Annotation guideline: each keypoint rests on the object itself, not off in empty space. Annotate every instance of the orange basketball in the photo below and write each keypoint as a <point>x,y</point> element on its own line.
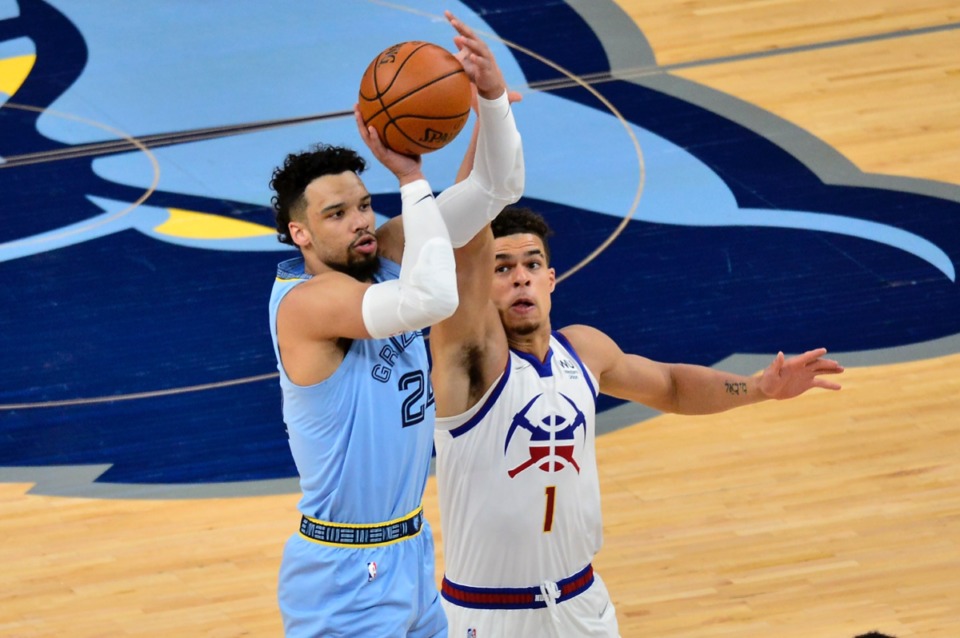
<point>417,96</point>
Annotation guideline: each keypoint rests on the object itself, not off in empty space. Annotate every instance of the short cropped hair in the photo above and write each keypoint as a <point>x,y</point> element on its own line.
<point>516,220</point>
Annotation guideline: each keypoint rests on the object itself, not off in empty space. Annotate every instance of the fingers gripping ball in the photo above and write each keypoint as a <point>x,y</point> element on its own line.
<point>417,96</point>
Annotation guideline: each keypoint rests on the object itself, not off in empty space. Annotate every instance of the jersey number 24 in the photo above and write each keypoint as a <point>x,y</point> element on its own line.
<point>415,385</point>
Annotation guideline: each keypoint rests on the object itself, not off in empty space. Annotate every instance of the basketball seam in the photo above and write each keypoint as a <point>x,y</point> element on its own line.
<point>392,120</point>
<point>399,68</point>
<point>403,134</point>
<point>396,74</point>
<point>385,108</point>
<point>399,130</point>
<point>431,117</point>
<point>378,93</point>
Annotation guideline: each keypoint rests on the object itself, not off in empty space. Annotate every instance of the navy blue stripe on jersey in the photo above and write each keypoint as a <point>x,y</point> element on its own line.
<point>489,403</point>
<point>544,368</point>
<point>586,376</point>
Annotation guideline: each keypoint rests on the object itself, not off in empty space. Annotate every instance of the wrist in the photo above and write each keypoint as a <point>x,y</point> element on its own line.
<point>410,177</point>
<point>414,190</point>
<point>757,390</point>
<point>494,96</point>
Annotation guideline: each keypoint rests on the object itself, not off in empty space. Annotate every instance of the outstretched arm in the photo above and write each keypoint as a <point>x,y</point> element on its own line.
<point>496,178</point>
<point>694,389</point>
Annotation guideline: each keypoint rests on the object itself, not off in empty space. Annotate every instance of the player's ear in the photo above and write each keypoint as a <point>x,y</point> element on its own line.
<point>299,234</point>
<point>552,274</point>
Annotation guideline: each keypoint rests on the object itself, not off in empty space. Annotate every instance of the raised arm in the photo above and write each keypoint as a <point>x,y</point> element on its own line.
<point>497,176</point>
<point>694,389</point>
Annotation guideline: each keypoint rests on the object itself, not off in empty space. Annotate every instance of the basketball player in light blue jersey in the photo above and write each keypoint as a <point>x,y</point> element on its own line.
<point>346,319</point>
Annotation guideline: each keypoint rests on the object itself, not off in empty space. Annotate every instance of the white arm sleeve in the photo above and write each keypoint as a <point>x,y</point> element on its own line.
<point>497,177</point>
<point>427,289</point>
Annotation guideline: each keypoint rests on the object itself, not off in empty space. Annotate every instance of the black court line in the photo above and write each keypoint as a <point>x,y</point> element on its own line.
<point>159,139</point>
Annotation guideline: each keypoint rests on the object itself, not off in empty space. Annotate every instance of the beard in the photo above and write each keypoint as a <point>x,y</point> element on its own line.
<point>523,329</point>
<point>361,268</point>
<point>520,327</point>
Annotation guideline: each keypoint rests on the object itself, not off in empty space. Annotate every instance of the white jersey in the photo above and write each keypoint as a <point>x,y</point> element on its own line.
<point>519,491</point>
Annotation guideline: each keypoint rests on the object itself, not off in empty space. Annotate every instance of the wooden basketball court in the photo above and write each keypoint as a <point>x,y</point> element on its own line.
<point>829,516</point>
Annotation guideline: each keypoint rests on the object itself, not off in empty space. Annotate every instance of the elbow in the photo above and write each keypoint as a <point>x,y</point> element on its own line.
<point>430,295</point>
<point>447,306</point>
<point>425,294</point>
<point>443,302</point>
<point>429,309</point>
<point>444,298</point>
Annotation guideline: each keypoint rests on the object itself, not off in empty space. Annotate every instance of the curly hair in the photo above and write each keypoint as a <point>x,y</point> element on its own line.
<point>515,220</point>
<point>290,180</point>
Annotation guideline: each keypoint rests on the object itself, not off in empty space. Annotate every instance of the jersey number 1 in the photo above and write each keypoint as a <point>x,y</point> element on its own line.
<point>551,494</point>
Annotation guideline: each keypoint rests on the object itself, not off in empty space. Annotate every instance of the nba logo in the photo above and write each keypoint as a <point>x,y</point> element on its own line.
<point>471,633</point>
<point>371,571</point>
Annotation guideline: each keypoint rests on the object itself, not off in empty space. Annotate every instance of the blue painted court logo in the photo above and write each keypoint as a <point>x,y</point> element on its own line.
<point>137,246</point>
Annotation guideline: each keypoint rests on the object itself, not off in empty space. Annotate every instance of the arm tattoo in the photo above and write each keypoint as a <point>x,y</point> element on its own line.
<point>735,388</point>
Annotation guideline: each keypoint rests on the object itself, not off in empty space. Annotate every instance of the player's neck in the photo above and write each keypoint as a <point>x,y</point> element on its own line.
<point>536,343</point>
<point>312,265</point>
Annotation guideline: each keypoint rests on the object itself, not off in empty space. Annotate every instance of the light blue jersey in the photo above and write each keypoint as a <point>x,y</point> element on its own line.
<point>362,441</point>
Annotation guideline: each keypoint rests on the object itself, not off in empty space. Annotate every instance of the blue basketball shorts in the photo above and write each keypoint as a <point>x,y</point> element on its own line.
<point>387,591</point>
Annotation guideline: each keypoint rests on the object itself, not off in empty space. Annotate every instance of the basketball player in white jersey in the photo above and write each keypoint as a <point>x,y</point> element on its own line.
<point>516,470</point>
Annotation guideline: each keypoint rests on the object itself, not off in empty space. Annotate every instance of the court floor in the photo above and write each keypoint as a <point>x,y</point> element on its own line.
<point>725,179</point>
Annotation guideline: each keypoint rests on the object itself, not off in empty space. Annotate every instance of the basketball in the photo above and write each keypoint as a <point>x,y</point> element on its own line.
<point>417,96</point>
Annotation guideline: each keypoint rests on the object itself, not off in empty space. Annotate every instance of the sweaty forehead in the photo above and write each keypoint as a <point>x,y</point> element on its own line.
<point>342,188</point>
<point>518,246</point>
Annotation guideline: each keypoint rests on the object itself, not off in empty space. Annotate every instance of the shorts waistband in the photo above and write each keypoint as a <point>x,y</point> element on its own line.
<point>363,535</point>
<point>515,597</point>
